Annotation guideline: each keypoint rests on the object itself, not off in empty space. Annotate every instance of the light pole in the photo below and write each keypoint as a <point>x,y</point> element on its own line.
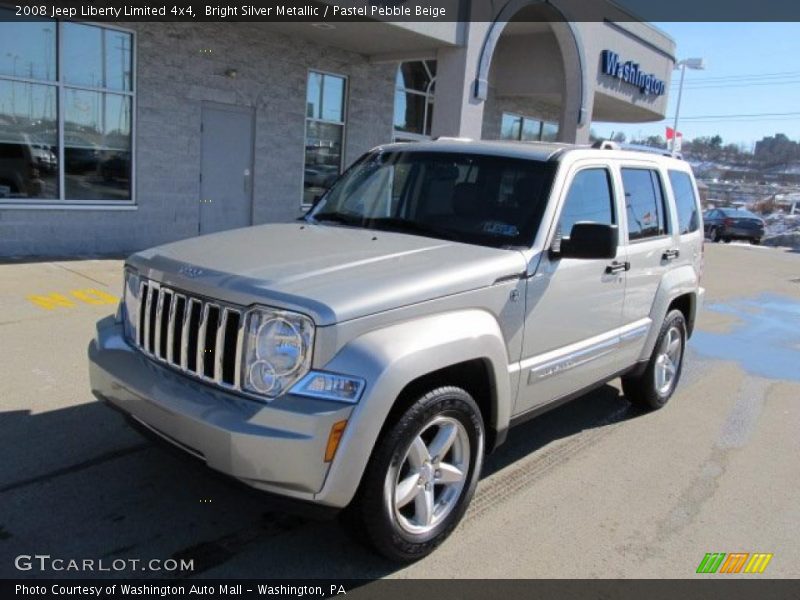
<point>698,64</point>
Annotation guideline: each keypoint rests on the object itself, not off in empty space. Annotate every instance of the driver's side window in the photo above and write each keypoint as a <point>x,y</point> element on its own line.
<point>589,200</point>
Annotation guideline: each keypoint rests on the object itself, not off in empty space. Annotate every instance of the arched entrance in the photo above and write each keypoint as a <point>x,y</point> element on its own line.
<point>531,73</point>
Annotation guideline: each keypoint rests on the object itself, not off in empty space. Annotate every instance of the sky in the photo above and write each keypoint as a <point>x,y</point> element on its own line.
<point>751,69</point>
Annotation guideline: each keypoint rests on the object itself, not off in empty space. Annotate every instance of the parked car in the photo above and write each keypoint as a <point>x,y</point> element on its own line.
<point>367,358</point>
<point>726,224</point>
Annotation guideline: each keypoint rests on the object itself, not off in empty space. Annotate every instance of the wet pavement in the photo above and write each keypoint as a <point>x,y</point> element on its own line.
<point>594,488</point>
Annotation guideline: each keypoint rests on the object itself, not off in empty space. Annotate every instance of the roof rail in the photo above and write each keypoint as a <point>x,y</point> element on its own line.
<point>605,145</point>
<point>651,150</point>
<point>611,145</point>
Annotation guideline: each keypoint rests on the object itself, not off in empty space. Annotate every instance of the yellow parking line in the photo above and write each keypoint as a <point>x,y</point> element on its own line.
<point>90,296</point>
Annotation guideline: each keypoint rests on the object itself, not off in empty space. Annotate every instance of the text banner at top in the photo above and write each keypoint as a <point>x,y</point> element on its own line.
<point>333,11</point>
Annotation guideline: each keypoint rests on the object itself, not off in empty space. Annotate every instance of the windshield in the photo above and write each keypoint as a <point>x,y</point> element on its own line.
<point>477,199</point>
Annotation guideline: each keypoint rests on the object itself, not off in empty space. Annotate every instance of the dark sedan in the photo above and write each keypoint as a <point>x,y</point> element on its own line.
<point>726,224</point>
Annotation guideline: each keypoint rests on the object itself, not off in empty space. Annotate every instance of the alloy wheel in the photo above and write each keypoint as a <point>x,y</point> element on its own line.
<point>426,485</point>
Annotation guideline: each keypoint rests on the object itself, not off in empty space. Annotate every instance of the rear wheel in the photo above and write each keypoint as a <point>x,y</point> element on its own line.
<point>715,236</point>
<point>421,477</point>
<point>756,241</point>
<point>653,388</point>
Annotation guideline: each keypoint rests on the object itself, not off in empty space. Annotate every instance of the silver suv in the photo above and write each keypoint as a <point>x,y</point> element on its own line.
<point>367,357</point>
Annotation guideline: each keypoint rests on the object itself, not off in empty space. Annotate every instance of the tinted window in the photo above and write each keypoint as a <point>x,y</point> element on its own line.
<point>685,201</point>
<point>589,199</point>
<point>488,200</point>
<point>644,202</point>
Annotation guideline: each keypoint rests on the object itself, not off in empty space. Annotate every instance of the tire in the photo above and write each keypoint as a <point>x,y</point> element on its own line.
<point>400,528</point>
<point>654,387</point>
<point>727,240</point>
<point>756,241</point>
<point>715,236</point>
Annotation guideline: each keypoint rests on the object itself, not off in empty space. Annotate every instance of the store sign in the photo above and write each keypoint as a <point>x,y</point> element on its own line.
<point>629,72</point>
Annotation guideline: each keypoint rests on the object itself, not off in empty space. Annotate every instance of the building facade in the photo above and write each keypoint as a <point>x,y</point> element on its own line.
<point>117,138</point>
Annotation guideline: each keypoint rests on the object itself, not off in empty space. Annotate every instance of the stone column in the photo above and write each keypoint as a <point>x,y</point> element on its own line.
<point>457,112</point>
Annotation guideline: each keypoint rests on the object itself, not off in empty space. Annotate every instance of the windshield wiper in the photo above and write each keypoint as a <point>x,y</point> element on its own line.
<point>406,226</point>
<point>337,217</point>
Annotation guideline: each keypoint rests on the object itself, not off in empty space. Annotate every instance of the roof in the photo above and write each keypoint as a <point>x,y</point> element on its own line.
<point>542,151</point>
<point>530,150</point>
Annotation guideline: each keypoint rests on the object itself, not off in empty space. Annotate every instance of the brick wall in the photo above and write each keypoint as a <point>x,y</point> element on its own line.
<point>173,79</point>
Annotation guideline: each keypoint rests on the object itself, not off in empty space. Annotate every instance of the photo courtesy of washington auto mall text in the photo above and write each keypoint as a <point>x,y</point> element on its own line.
<point>400,299</point>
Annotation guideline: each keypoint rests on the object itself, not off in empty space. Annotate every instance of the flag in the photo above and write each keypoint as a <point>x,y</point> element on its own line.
<point>676,137</point>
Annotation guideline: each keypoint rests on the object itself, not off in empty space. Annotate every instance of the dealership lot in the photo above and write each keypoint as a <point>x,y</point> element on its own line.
<point>592,489</point>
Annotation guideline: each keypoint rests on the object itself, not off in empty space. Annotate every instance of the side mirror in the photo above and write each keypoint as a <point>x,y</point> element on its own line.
<point>590,240</point>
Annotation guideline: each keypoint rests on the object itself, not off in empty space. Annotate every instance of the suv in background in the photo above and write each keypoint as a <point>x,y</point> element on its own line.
<point>367,357</point>
<point>726,224</point>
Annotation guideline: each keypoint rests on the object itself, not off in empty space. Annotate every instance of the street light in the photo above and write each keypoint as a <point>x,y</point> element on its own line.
<point>697,64</point>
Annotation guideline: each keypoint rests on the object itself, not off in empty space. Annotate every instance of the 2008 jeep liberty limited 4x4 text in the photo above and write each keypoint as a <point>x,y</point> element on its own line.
<point>367,357</point>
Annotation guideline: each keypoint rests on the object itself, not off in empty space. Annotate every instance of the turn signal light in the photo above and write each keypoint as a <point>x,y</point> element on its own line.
<point>333,440</point>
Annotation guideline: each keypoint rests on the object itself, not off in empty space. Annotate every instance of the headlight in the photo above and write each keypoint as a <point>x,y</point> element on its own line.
<point>277,350</point>
<point>130,303</point>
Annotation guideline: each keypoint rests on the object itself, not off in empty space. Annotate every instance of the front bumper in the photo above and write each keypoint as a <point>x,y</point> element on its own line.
<point>277,447</point>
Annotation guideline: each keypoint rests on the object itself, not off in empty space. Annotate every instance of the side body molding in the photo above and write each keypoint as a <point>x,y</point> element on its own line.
<point>389,359</point>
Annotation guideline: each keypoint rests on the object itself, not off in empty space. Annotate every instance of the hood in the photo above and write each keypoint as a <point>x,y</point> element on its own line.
<point>331,273</point>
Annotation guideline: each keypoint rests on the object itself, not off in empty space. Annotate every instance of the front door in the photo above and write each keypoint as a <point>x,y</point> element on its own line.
<point>573,306</point>
<point>226,170</point>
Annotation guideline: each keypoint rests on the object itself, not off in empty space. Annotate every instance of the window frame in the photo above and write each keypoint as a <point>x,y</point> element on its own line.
<point>665,204</point>
<point>430,100</point>
<point>524,118</point>
<point>695,198</point>
<point>61,203</point>
<point>569,181</point>
<point>345,102</point>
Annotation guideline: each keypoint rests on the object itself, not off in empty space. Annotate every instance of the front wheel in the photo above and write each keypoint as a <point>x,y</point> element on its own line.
<point>421,477</point>
<point>653,388</point>
<point>756,241</point>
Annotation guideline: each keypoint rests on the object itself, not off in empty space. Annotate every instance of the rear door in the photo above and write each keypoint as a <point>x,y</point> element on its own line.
<point>688,219</point>
<point>652,245</point>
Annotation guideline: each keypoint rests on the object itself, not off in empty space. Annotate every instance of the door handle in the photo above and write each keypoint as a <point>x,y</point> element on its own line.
<point>671,254</point>
<point>616,267</point>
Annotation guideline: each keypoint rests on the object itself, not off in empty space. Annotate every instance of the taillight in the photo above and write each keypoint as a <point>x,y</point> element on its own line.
<point>727,222</point>
<point>702,264</point>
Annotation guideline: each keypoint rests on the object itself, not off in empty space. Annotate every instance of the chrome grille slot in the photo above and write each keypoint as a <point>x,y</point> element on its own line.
<point>200,337</point>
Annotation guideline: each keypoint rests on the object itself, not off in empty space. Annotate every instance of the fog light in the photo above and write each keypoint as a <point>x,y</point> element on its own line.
<point>329,386</point>
<point>333,439</point>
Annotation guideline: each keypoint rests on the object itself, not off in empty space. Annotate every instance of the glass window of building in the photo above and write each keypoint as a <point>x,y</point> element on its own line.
<point>66,112</point>
<point>415,86</point>
<point>519,128</point>
<point>325,118</point>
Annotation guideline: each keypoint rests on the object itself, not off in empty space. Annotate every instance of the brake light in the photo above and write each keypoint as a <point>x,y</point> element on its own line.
<point>702,264</point>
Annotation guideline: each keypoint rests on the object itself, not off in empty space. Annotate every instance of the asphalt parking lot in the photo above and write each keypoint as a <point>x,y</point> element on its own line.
<point>592,489</point>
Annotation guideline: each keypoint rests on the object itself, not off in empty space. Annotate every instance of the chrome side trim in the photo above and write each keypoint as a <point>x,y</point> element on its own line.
<point>563,359</point>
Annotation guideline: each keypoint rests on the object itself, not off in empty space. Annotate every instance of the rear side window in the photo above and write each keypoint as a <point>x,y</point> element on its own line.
<point>685,202</point>
<point>589,200</point>
<point>644,203</point>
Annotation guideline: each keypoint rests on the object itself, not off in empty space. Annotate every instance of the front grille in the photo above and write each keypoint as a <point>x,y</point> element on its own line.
<point>200,337</point>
